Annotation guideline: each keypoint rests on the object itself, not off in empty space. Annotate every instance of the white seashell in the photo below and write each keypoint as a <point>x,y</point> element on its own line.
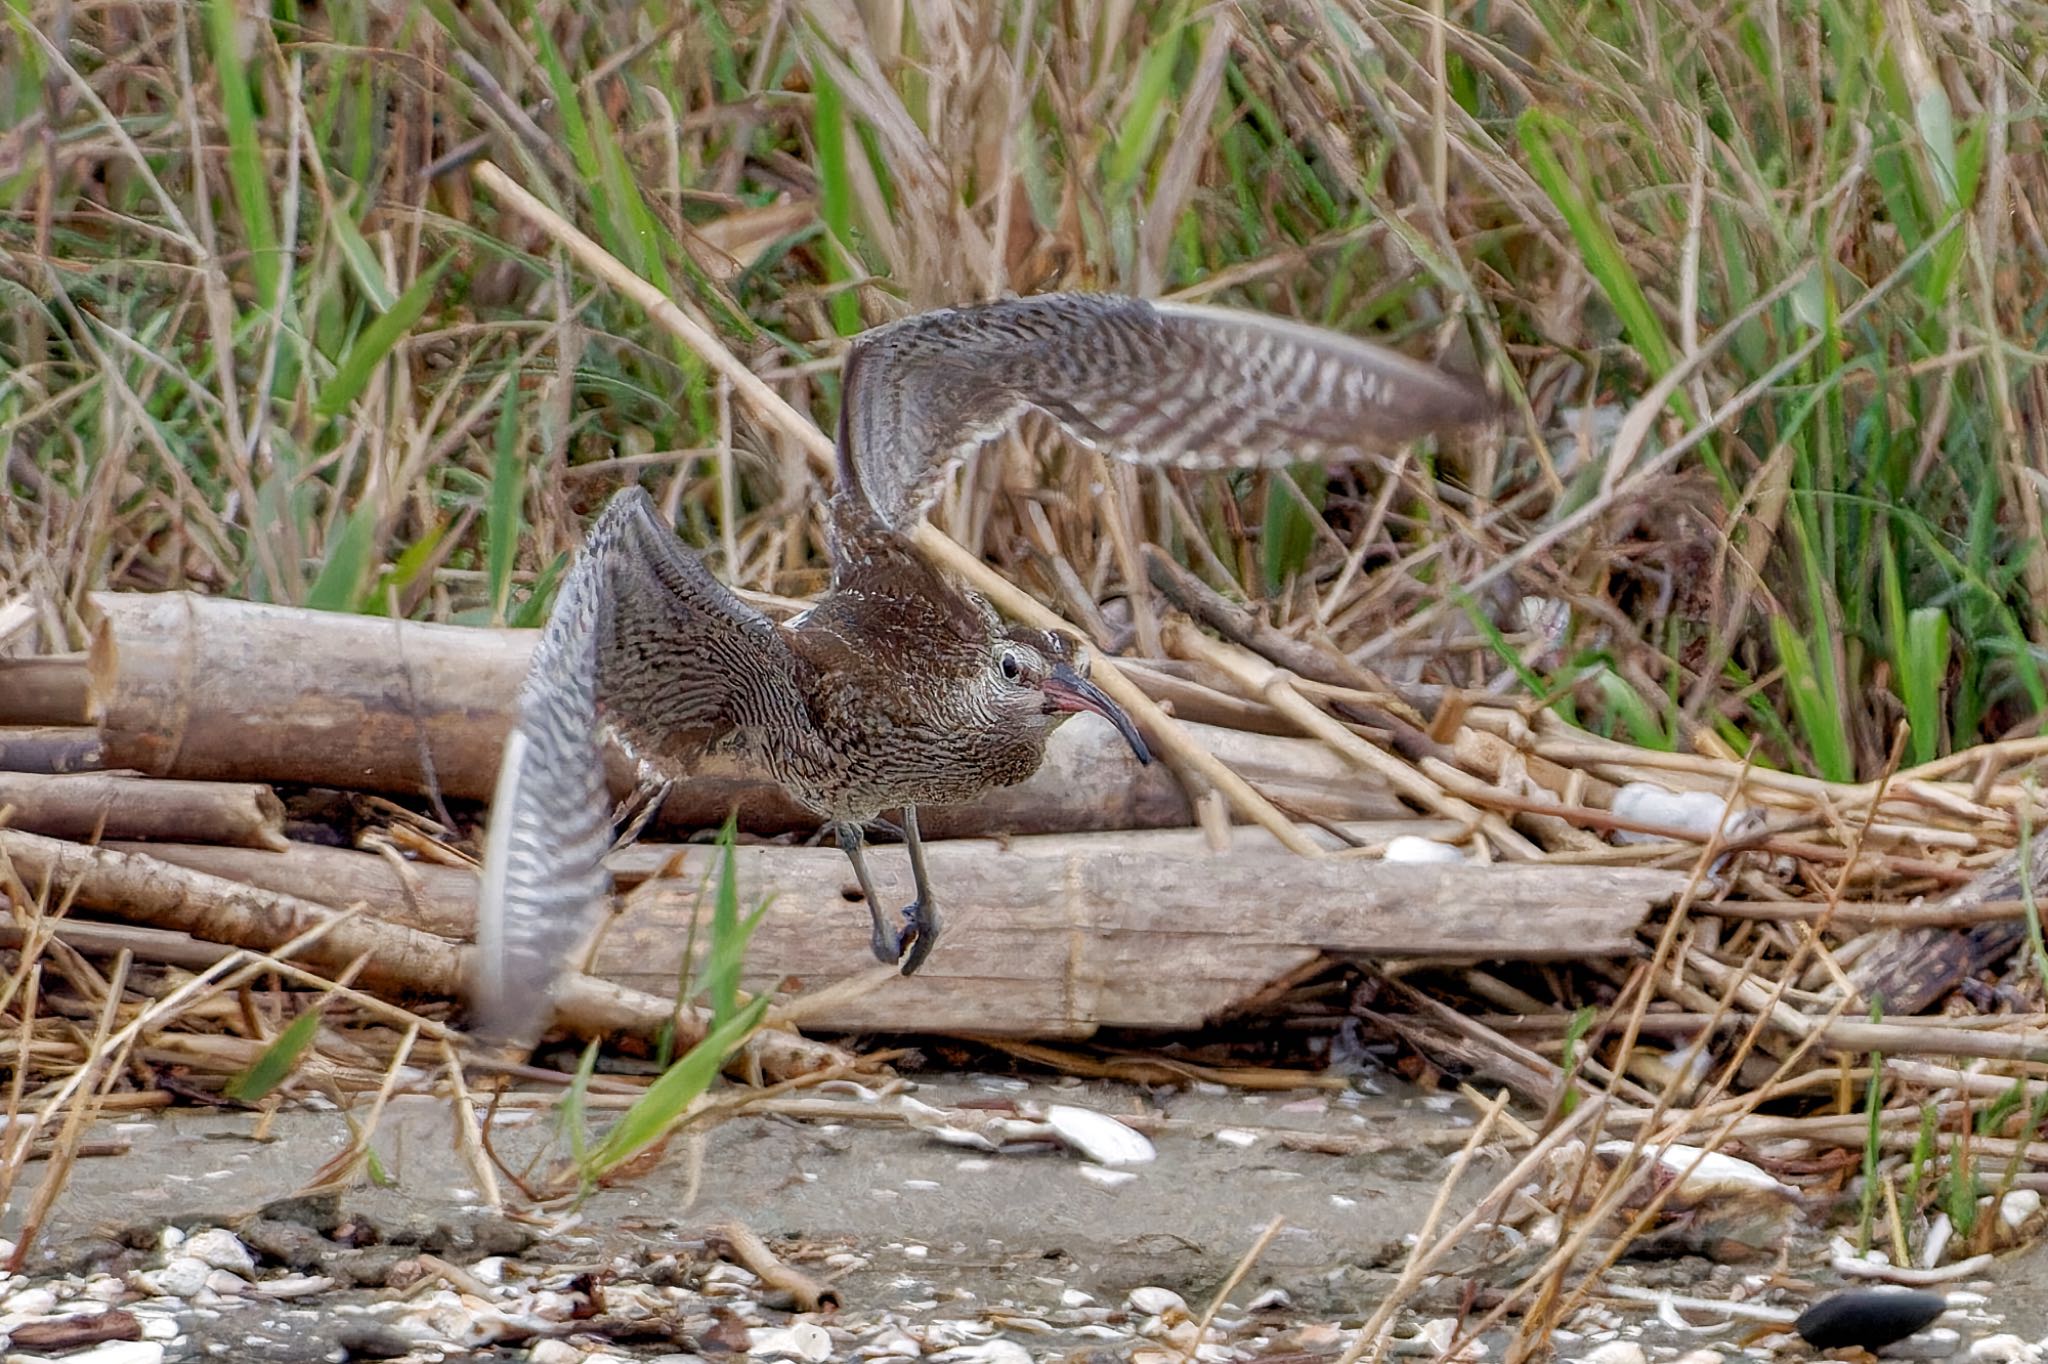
<point>892,1344</point>
<point>1410,848</point>
<point>30,1302</point>
<point>1074,1297</point>
<point>1156,1302</point>
<point>997,1351</point>
<point>120,1352</point>
<point>1106,1177</point>
<point>1694,812</point>
<point>1616,1352</point>
<point>221,1249</point>
<point>1934,1245</point>
<point>805,1340</point>
<point>1238,1137</point>
<point>292,1286</point>
<point>1714,1174</point>
<point>1099,1137</point>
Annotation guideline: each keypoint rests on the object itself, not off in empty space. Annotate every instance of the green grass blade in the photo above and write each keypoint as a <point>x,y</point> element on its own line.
<point>729,932</point>
<point>349,561</point>
<point>277,1062</point>
<point>835,197</point>
<point>668,1099</point>
<point>1923,673</point>
<point>352,375</point>
<point>502,519</point>
<point>1548,140</point>
<point>1289,534</point>
<point>362,263</point>
<point>1814,705</point>
<point>247,175</point>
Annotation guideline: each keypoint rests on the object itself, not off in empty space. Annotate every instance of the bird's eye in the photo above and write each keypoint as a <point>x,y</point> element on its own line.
<point>1012,667</point>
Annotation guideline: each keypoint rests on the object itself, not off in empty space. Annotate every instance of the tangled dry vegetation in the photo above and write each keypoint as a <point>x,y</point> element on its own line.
<point>1764,524</point>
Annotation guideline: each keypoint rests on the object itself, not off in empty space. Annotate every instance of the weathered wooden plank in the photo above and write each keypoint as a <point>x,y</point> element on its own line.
<point>1057,937</point>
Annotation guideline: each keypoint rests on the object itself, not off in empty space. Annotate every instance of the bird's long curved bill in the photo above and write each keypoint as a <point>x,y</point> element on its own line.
<point>1068,690</point>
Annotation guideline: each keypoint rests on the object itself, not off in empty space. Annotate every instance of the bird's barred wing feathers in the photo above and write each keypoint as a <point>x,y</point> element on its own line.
<point>642,638</point>
<point>1153,382</point>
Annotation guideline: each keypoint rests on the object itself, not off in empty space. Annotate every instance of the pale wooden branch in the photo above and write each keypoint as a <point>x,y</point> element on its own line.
<point>91,806</point>
<point>1262,679</point>
<point>440,900</point>
<point>395,958</point>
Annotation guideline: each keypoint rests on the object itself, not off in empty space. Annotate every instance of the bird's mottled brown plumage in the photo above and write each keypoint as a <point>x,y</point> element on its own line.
<point>898,687</point>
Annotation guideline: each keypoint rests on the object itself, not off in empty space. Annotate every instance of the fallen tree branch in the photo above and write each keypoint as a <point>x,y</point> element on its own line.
<point>396,958</point>
<point>91,806</point>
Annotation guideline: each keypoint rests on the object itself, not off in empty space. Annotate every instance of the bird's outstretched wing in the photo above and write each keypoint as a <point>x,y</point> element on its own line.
<point>675,661</point>
<point>1154,382</point>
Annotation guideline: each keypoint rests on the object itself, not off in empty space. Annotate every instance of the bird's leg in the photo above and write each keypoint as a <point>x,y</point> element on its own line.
<point>920,916</point>
<point>887,943</point>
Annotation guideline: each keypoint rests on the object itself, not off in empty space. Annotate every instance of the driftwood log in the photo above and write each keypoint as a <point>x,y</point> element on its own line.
<point>1045,937</point>
<point>50,690</point>
<point>93,806</point>
<point>1912,968</point>
<point>1058,937</point>
<point>396,959</point>
<point>217,690</point>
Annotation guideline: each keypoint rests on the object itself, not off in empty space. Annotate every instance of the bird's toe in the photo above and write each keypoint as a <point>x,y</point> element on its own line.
<point>921,923</point>
<point>886,944</point>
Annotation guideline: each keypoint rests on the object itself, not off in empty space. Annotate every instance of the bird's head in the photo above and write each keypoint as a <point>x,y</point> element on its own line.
<point>1038,679</point>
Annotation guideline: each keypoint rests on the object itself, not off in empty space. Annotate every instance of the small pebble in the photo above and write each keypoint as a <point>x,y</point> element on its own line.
<point>554,1352</point>
<point>181,1277</point>
<point>1870,1318</point>
<point>2005,1347</point>
<point>221,1249</point>
<point>362,1338</point>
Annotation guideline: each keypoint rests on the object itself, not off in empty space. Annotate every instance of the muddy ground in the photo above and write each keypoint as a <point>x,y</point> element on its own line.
<point>915,1231</point>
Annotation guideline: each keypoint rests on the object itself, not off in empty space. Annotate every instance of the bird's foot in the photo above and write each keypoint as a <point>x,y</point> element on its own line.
<point>886,943</point>
<point>921,927</point>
